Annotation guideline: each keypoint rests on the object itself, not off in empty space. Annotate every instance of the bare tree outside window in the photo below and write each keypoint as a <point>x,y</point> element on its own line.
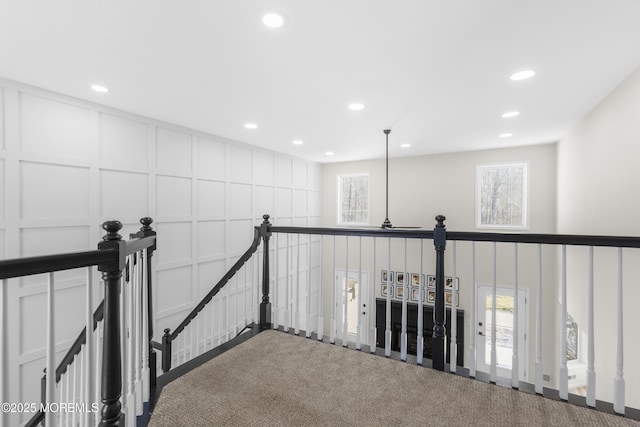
<point>502,195</point>
<point>353,199</point>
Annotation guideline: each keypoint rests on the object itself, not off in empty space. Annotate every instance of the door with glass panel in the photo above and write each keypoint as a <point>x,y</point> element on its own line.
<point>352,304</point>
<point>505,340</point>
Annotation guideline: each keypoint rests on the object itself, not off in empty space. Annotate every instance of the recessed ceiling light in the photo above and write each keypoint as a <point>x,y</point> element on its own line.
<point>510,114</point>
<point>298,142</point>
<point>99,88</point>
<point>356,106</point>
<point>251,126</point>
<point>505,135</point>
<point>273,20</point>
<point>522,75</point>
<point>329,153</point>
<point>405,145</point>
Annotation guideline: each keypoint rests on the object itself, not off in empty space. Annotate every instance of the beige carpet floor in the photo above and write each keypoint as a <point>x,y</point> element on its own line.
<point>277,379</point>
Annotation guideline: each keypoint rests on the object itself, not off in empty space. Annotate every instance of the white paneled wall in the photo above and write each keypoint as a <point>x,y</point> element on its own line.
<point>67,165</point>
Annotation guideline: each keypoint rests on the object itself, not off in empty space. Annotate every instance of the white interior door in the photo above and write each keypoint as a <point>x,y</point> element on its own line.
<point>504,330</point>
<point>352,305</point>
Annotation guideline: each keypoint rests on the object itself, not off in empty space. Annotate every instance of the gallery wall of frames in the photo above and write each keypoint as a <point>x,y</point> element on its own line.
<point>396,283</point>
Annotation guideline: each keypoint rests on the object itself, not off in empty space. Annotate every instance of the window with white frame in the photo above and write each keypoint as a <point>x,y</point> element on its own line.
<point>501,196</point>
<point>353,199</point>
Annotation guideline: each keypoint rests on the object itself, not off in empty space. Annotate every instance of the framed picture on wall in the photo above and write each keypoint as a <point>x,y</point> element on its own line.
<point>387,276</point>
<point>448,282</point>
<point>448,298</point>
<point>415,293</point>
<point>401,278</point>
<point>431,296</point>
<point>385,289</point>
<point>400,291</point>
<point>431,281</point>
<point>417,279</point>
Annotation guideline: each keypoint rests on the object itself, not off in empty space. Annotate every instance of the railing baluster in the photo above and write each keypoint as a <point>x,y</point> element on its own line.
<point>359,297</point>
<point>564,371</point>
<point>4,283</point>
<point>296,290</point>
<point>420,326</point>
<point>276,286</point>
<point>129,330</point>
<point>591,373</point>
<point>287,312</point>
<point>619,384</point>
<point>74,394</point>
<point>98,367</point>
<point>320,295</point>
<point>139,341</point>
<point>387,330</point>
<point>89,348</point>
<point>515,361</point>
<point>405,289</point>
<point>345,318</point>
<point>307,322</point>
<point>50,417</point>
<point>332,325</point>
<point>539,371</point>
<point>372,302</point>
<point>453,345</point>
<point>494,354</point>
<point>473,315</point>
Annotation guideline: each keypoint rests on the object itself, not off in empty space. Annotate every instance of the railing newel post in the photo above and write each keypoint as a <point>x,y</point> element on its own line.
<point>439,330</point>
<point>166,350</point>
<point>265,305</point>
<point>111,360</point>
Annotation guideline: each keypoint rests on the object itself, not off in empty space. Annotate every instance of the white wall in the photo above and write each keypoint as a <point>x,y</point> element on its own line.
<point>597,194</point>
<point>421,188</point>
<point>67,165</point>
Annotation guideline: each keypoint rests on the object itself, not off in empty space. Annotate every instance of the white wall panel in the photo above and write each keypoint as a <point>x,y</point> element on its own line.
<point>54,191</point>
<point>211,198</point>
<point>300,202</point>
<point>2,244</point>
<point>209,273</point>
<point>263,171</point>
<point>263,201</point>
<point>212,159</point>
<point>32,321</point>
<point>315,177</point>
<point>116,203</point>
<point>173,151</point>
<point>240,164</point>
<point>315,203</point>
<point>124,142</point>
<point>240,200</point>
<point>299,174</point>
<point>241,235</point>
<point>173,288</point>
<point>212,239</point>
<point>30,373</point>
<point>283,202</point>
<point>2,190</point>
<point>2,146</point>
<point>177,237</point>
<point>48,240</point>
<point>283,172</point>
<point>54,128</point>
<point>173,196</point>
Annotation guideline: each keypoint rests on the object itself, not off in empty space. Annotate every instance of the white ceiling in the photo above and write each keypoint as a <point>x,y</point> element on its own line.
<point>434,71</point>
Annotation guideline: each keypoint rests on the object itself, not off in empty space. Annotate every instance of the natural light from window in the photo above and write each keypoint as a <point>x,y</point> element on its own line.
<point>501,196</point>
<point>353,199</point>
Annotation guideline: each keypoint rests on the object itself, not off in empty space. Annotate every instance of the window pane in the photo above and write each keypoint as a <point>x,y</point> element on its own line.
<point>353,199</point>
<point>502,195</point>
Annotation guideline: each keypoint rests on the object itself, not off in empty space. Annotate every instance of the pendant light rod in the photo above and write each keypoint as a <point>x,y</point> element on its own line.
<point>387,223</point>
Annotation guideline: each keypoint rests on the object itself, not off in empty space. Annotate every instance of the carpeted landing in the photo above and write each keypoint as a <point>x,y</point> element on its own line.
<point>277,379</point>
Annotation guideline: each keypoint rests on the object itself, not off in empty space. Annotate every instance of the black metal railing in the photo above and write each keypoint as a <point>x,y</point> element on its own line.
<point>110,260</point>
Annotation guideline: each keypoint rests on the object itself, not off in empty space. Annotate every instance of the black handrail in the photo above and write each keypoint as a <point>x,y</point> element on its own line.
<point>221,283</point>
<point>551,239</point>
<point>108,257</point>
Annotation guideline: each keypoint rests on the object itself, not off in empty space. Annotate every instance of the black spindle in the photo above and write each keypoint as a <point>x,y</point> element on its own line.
<point>166,350</point>
<point>265,305</point>
<point>439,330</point>
<point>111,362</point>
